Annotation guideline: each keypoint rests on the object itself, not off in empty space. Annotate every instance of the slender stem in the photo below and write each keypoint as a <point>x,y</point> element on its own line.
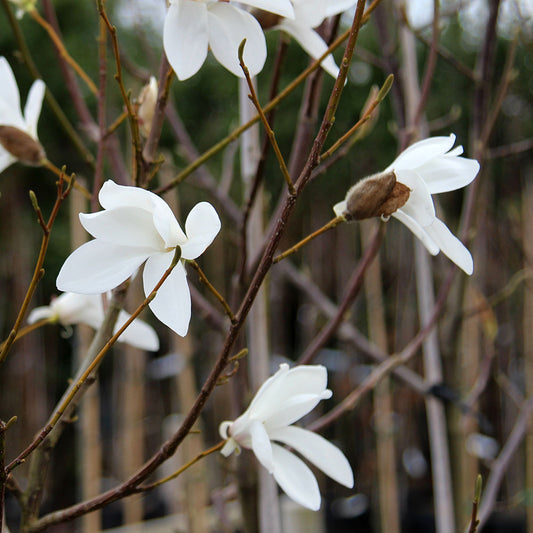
<point>61,174</point>
<point>216,294</point>
<point>270,133</point>
<point>182,469</point>
<point>94,364</point>
<point>63,51</point>
<point>330,225</point>
<point>38,271</point>
<point>28,329</point>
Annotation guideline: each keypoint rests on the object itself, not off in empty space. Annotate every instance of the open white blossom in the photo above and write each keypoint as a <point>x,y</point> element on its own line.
<point>283,399</point>
<point>193,26</point>
<point>309,14</point>
<point>70,308</point>
<point>428,167</point>
<point>137,226</point>
<point>18,132</point>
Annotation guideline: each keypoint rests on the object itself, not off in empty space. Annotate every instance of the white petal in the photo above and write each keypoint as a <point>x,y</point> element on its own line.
<point>318,451</point>
<point>334,7</point>
<point>229,447</point>
<point>261,445</point>
<point>451,246</point>
<point>275,392</point>
<point>124,226</point>
<point>74,308</point>
<point>10,97</point>
<point>185,37</point>
<point>172,304</point>
<point>417,229</point>
<point>310,13</point>
<point>32,109</point>
<point>448,173</point>
<point>295,478</point>
<point>420,205</point>
<point>228,26</point>
<point>39,313</point>
<point>280,7</point>
<point>422,151</point>
<point>201,227</point>
<point>96,267</point>
<point>340,208</point>
<point>138,333</point>
<point>6,159</point>
<point>311,42</point>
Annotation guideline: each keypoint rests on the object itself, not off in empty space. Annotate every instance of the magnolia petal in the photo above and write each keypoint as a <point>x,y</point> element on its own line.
<point>334,7</point>
<point>172,304</point>
<point>422,151</point>
<point>202,226</point>
<point>96,267</point>
<point>185,37</point>
<point>229,447</point>
<point>451,246</point>
<point>448,173</point>
<point>124,226</point>
<point>228,26</point>
<point>311,42</point>
<point>261,445</point>
<point>280,7</point>
<point>420,205</point>
<point>294,408</point>
<point>295,478</point>
<point>9,95</point>
<point>39,313</point>
<point>138,333</point>
<point>310,13</point>
<point>32,109</point>
<point>340,208</point>
<point>417,229</point>
<point>75,308</point>
<point>318,451</point>
<point>303,379</point>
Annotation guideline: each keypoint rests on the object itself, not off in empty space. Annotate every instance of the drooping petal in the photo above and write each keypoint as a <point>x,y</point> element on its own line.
<point>451,246</point>
<point>279,7</point>
<point>9,95</point>
<point>74,308</point>
<point>138,334</point>
<point>417,229</point>
<point>6,159</point>
<point>311,42</point>
<point>334,7</point>
<point>318,451</point>
<point>295,478</point>
<point>97,267</point>
<point>32,109</point>
<point>261,445</point>
<point>229,447</point>
<point>448,173</point>
<point>201,227</point>
<point>172,304</point>
<point>228,26</point>
<point>420,205</point>
<point>422,151</point>
<point>310,13</point>
<point>124,226</point>
<point>185,37</point>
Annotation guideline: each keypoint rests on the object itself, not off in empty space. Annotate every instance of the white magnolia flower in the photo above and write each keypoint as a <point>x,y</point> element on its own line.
<point>284,398</point>
<point>430,167</point>
<point>309,14</point>
<point>71,308</point>
<point>138,226</point>
<point>193,26</point>
<point>18,132</point>
<point>147,103</point>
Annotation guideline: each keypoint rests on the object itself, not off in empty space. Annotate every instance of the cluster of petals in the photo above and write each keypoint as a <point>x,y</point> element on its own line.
<point>309,14</point>
<point>283,399</point>
<point>192,27</point>
<point>136,227</point>
<point>10,110</point>
<point>70,309</point>
<point>431,166</point>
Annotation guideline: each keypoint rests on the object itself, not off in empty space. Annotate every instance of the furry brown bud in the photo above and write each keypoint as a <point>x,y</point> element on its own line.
<point>375,196</point>
<point>22,146</point>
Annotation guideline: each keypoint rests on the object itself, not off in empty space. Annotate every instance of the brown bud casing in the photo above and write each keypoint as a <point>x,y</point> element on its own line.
<point>266,19</point>
<point>22,146</point>
<point>375,196</point>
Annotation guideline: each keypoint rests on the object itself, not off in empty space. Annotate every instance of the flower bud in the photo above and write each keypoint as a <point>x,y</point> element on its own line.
<point>24,6</point>
<point>375,196</point>
<point>147,102</point>
<point>19,144</point>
